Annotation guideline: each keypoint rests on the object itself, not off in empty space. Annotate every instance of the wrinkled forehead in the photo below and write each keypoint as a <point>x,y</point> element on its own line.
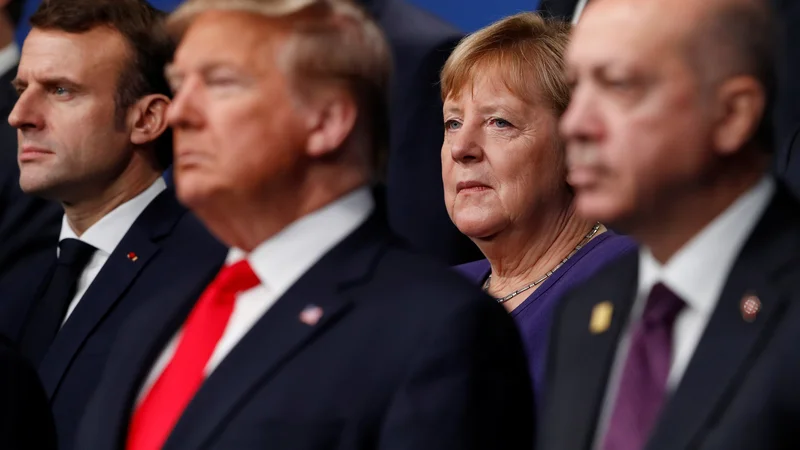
<point>59,53</point>
<point>231,37</point>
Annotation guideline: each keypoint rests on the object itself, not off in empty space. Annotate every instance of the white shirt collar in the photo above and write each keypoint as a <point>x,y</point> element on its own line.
<point>107,233</point>
<point>284,258</point>
<point>697,273</point>
<point>9,57</point>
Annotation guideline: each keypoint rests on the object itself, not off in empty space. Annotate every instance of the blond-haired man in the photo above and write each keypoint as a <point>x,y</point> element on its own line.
<point>321,331</point>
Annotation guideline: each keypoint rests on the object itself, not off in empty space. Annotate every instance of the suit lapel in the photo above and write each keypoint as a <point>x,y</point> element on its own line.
<point>730,343</point>
<point>155,327</point>
<point>114,279</point>
<point>591,354</point>
<point>278,336</point>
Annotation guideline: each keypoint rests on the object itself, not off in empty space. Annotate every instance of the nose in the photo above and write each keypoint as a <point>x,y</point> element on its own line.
<point>26,114</point>
<point>581,121</point>
<point>184,112</point>
<point>464,144</point>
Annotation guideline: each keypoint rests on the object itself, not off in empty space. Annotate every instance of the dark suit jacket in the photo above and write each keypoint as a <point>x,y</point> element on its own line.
<point>408,355</point>
<point>25,419</point>
<point>724,398</point>
<point>420,43</point>
<point>174,253</point>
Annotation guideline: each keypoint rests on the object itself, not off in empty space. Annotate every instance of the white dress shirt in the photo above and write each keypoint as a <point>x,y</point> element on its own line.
<point>278,262</point>
<point>9,57</point>
<point>697,274</point>
<point>105,235</point>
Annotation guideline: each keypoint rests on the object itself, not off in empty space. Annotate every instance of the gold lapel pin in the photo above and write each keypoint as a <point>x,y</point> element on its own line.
<point>749,307</point>
<point>601,317</point>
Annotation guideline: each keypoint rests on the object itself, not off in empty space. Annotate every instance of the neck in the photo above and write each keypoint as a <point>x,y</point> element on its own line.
<point>246,221</point>
<point>526,253</point>
<point>666,230</point>
<point>90,208</point>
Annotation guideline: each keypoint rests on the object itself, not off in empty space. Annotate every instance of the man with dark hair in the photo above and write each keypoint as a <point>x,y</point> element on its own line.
<point>91,124</point>
<point>669,140</point>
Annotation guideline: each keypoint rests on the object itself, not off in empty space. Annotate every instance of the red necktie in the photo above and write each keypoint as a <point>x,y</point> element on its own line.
<point>161,408</point>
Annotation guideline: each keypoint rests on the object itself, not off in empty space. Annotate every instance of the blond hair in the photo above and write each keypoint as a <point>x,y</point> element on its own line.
<point>329,40</point>
<point>528,51</point>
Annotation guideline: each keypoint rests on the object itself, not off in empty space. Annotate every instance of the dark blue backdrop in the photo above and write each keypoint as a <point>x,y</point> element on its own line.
<point>468,15</point>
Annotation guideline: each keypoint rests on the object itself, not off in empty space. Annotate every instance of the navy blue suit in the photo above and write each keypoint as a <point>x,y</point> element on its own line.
<point>740,389</point>
<point>408,355</point>
<point>174,253</point>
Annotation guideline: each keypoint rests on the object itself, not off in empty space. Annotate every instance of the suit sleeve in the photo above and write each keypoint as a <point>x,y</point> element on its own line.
<point>25,418</point>
<point>468,389</point>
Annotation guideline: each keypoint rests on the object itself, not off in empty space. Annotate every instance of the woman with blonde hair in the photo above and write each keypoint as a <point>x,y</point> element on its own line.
<point>504,170</point>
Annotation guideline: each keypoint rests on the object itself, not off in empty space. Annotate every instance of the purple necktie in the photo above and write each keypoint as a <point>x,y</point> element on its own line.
<point>643,386</point>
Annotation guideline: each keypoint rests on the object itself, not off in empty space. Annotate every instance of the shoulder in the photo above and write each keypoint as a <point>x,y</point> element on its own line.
<point>475,271</point>
<point>418,282</point>
<point>613,245</point>
<point>607,277</point>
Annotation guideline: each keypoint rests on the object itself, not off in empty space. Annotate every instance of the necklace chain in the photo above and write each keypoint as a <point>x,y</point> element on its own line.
<point>580,245</point>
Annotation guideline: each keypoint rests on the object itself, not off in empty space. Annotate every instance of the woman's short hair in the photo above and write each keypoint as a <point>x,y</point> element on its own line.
<point>528,50</point>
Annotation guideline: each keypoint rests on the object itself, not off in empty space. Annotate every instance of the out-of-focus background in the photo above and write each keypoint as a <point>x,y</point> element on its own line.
<point>467,15</point>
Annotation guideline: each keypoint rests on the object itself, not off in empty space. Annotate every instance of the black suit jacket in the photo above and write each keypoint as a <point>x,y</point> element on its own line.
<point>25,419</point>
<point>725,399</point>
<point>407,355</point>
<point>174,253</point>
<point>420,43</point>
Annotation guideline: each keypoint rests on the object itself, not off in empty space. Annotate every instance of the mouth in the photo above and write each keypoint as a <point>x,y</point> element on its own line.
<point>471,186</point>
<point>189,158</point>
<point>30,153</point>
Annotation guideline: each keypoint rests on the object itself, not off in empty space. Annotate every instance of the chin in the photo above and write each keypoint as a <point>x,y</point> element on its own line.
<point>192,195</point>
<point>606,209</point>
<point>38,187</point>
<point>478,227</point>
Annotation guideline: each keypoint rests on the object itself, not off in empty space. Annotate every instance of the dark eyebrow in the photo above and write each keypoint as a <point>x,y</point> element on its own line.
<point>48,82</point>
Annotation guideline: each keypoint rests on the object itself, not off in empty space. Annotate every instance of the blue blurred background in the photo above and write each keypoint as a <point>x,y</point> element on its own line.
<point>468,15</point>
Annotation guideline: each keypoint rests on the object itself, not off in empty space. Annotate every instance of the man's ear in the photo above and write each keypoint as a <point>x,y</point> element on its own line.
<point>333,118</point>
<point>149,118</point>
<point>742,103</point>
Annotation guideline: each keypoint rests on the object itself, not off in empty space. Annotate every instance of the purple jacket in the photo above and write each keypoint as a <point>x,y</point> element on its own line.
<point>533,315</point>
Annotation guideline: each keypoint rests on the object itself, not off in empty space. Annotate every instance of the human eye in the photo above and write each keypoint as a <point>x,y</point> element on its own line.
<point>451,125</point>
<point>500,122</point>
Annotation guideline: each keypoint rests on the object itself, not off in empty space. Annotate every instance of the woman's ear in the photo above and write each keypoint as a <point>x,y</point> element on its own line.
<point>149,118</point>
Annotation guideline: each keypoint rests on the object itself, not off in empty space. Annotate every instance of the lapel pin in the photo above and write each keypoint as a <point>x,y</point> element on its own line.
<point>601,317</point>
<point>311,315</point>
<point>750,306</point>
<point>132,256</point>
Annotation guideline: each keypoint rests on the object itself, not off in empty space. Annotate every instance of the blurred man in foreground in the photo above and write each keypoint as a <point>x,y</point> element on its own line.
<point>320,331</point>
<point>669,141</point>
<point>91,120</point>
